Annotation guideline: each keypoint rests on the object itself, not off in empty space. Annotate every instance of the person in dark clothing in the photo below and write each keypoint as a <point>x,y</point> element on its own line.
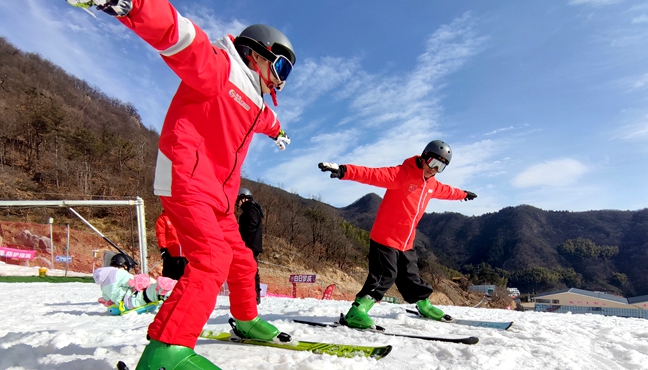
<point>251,229</point>
<point>173,260</point>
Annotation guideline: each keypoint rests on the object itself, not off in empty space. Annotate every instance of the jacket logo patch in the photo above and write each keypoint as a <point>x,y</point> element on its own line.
<point>233,94</point>
<point>412,188</point>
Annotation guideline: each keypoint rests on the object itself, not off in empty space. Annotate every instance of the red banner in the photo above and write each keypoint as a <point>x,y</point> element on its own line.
<point>328,292</point>
<point>17,253</point>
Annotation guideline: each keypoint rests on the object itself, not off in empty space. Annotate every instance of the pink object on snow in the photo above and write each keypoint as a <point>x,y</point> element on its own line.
<point>105,302</point>
<point>165,285</point>
<point>139,282</point>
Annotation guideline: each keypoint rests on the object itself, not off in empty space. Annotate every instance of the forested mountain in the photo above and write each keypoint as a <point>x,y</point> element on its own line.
<point>58,135</point>
<point>63,139</point>
<point>533,249</point>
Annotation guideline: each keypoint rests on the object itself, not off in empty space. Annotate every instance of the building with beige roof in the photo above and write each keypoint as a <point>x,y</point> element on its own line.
<point>583,301</point>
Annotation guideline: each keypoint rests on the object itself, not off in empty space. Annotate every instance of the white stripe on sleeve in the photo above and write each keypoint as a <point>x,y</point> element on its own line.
<point>275,118</point>
<point>186,35</point>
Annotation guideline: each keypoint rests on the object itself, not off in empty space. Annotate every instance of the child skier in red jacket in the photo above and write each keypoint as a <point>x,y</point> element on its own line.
<point>392,259</point>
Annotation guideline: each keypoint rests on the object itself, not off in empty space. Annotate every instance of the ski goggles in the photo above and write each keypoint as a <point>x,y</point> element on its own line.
<point>279,64</point>
<point>434,162</point>
<point>281,68</point>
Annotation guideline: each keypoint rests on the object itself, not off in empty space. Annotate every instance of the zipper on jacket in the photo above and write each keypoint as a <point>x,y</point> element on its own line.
<point>418,209</point>
<point>243,143</point>
<point>193,171</point>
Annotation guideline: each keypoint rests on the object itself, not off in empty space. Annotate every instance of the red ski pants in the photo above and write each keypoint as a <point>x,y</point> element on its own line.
<point>213,246</point>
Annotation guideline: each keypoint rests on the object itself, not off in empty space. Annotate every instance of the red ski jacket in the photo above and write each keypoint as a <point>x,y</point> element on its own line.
<point>405,201</point>
<point>167,236</point>
<point>214,113</point>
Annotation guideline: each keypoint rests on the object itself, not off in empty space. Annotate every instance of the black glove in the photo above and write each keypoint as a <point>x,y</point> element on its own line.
<point>164,252</point>
<point>336,171</point>
<point>469,195</point>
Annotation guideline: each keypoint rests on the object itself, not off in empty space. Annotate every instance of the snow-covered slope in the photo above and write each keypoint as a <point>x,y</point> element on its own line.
<point>60,326</point>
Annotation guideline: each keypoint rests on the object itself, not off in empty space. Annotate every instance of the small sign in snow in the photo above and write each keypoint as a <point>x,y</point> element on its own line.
<point>63,258</point>
<point>302,278</point>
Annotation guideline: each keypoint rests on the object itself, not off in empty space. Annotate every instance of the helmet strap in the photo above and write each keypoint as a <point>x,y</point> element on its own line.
<point>273,94</point>
<point>269,84</point>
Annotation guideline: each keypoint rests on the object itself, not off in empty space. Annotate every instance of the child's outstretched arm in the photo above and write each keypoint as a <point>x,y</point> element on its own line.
<point>384,177</point>
<point>447,192</point>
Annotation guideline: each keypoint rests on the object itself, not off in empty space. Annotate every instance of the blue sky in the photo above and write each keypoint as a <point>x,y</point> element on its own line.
<point>543,102</point>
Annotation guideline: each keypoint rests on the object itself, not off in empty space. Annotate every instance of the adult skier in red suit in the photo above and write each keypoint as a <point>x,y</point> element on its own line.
<point>217,108</point>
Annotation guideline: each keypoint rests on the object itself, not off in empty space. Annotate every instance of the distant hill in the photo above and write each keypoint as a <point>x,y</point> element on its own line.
<point>535,249</point>
<point>362,212</point>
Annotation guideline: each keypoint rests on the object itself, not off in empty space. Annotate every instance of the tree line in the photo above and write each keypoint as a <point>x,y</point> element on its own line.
<point>67,136</point>
<point>537,250</point>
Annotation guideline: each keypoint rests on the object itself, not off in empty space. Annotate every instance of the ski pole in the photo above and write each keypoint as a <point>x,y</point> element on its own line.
<point>129,259</point>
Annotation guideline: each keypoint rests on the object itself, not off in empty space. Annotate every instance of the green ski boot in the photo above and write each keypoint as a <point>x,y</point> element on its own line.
<point>257,329</point>
<point>426,309</point>
<point>158,355</point>
<point>358,317</point>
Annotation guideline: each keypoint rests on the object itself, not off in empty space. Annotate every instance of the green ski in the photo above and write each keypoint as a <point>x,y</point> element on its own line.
<point>340,350</point>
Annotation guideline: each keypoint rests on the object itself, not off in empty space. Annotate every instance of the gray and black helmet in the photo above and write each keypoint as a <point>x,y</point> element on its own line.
<point>119,260</point>
<point>123,260</point>
<point>437,149</point>
<point>244,193</point>
<point>262,38</point>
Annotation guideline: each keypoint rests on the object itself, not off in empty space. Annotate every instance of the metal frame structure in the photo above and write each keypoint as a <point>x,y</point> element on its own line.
<point>137,202</point>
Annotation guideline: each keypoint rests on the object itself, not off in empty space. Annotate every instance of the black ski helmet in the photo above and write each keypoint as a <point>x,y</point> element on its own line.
<point>439,150</point>
<point>244,193</point>
<point>119,260</point>
<point>262,38</point>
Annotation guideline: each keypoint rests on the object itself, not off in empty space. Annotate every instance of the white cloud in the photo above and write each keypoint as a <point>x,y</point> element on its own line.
<point>392,117</point>
<point>403,109</point>
<point>594,2</point>
<point>471,160</point>
<point>640,19</point>
<point>557,172</point>
<point>310,80</point>
<point>213,26</point>
<point>641,82</point>
<point>384,100</point>
<point>638,130</point>
<point>499,130</point>
<point>582,197</point>
<point>479,160</point>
